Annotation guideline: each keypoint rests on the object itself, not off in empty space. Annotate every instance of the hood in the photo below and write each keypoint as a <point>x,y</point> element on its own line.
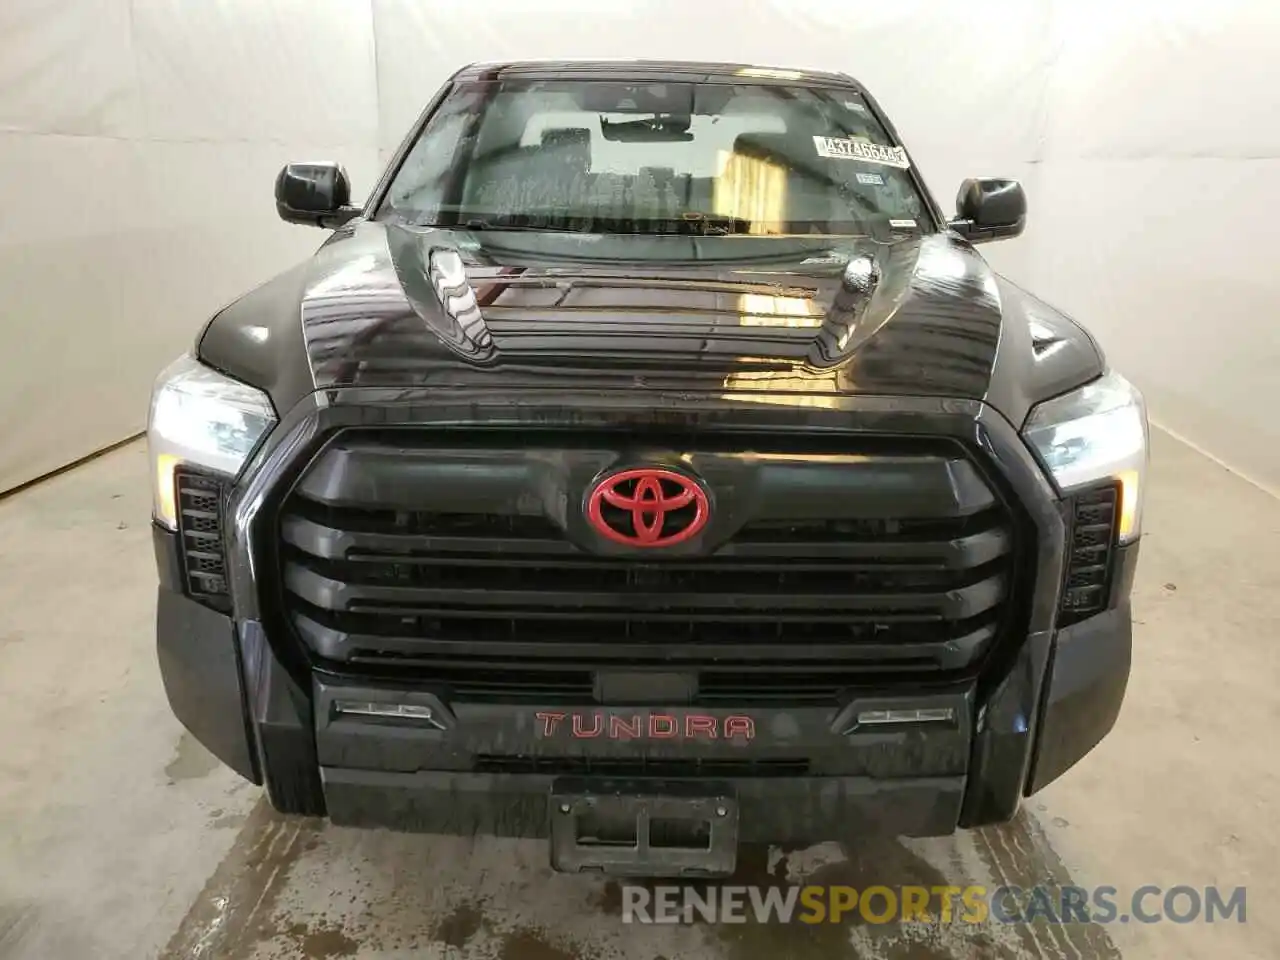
<point>391,306</point>
<point>388,305</point>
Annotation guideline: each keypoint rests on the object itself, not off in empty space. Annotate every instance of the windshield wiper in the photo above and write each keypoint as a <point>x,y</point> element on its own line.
<point>714,224</point>
<point>478,224</point>
<point>688,224</point>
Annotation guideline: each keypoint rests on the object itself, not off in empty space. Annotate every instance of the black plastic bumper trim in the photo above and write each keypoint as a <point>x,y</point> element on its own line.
<point>771,809</point>
<point>168,561</point>
<point>199,664</point>
<point>282,716</point>
<point>1085,688</point>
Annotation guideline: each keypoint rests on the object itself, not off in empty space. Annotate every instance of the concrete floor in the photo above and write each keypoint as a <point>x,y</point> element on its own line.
<point>121,838</point>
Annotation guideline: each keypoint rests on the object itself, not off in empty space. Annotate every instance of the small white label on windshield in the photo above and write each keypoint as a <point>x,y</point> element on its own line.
<point>902,224</point>
<point>874,179</point>
<point>836,149</point>
<point>856,106</point>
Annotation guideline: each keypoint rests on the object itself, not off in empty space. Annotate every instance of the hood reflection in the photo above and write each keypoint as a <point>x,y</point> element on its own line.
<point>759,310</point>
<point>400,306</point>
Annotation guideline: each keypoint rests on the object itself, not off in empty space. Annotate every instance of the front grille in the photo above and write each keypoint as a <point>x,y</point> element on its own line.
<point>446,565</point>
<point>641,766</point>
<point>199,501</point>
<point>1094,515</point>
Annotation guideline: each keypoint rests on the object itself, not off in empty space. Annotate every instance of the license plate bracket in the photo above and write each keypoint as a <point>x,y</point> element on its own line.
<point>645,828</point>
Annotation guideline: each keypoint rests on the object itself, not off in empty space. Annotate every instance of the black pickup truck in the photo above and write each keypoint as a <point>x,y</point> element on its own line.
<point>650,465</point>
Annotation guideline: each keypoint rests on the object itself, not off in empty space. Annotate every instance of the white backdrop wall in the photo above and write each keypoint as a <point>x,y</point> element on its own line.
<point>1156,209</point>
<point>139,139</point>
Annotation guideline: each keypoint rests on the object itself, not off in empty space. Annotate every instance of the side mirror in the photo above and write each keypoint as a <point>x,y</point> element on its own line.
<point>316,194</point>
<point>990,209</point>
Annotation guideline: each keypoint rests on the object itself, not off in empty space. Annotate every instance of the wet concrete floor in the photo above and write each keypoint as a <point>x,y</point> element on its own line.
<point>293,888</point>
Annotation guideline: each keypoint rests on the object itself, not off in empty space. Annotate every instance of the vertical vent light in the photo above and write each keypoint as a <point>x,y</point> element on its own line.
<point>199,506</point>
<point>1093,536</point>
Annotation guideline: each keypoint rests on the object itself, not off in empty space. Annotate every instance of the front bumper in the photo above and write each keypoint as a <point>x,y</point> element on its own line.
<point>258,703</point>
<point>799,810</point>
<point>228,688</point>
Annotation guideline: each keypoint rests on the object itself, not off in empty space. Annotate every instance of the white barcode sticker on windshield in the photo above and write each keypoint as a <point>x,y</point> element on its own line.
<point>902,224</point>
<point>872,179</point>
<point>837,149</point>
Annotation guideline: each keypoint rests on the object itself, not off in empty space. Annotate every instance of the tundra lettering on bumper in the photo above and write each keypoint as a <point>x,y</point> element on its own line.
<point>651,726</point>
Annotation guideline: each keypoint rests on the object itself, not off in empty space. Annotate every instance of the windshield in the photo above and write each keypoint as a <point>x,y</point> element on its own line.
<point>657,158</point>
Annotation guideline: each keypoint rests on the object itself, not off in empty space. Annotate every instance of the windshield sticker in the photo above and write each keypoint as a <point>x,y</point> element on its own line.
<point>855,106</point>
<point>828,258</point>
<point>874,179</point>
<point>902,224</point>
<point>835,148</point>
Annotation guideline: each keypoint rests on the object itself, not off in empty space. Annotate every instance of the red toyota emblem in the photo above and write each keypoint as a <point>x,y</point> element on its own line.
<point>648,507</point>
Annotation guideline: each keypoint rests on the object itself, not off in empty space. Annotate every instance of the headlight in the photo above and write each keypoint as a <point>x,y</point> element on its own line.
<point>200,417</point>
<point>1092,434</point>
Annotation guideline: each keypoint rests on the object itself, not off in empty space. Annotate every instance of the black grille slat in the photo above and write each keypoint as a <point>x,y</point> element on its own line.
<point>582,565</point>
<point>539,681</point>
<point>556,616</point>
<point>458,568</point>
<point>622,642</point>
<point>486,476</point>
<point>318,539</point>
<point>958,602</point>
<point>468,528</point>
<point>886,585</point>
<point>199,503</point>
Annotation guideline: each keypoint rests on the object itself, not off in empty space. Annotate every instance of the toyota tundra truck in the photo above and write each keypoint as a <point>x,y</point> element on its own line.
<point>650,465</point>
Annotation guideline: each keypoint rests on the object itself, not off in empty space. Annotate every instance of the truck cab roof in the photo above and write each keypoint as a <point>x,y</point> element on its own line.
<point>666,70</point>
